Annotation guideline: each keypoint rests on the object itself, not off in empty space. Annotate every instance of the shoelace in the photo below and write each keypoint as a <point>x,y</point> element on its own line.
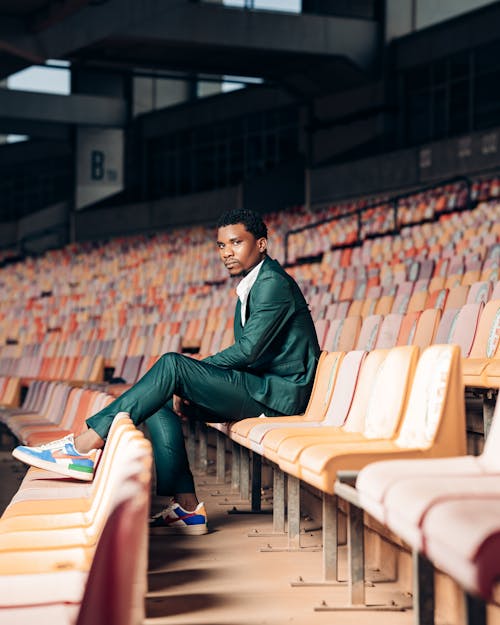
<point>163,513</point>
<point>58,443</point>
<point>158,515</point>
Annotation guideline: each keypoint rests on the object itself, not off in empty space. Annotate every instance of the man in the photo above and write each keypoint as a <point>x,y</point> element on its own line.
<point>269,369</point>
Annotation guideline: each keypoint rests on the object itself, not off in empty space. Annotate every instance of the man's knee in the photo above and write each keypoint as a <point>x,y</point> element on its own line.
<point>169,359</point>
<point>171,364</point>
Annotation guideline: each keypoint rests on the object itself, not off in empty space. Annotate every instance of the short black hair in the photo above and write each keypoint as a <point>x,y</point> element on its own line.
<point>250,219</point>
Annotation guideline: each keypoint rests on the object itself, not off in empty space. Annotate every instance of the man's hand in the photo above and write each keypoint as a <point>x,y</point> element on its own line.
<point>178,403</point>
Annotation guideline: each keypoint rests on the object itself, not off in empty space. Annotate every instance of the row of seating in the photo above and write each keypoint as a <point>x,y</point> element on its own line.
<point>62,555</point>
<point>362,329</point>
<point>52,410</point>
<point>10,391</point>
<point>378,221</point>
<point>130,293</point>
<point>360,275</point>
<point>362,397</point>
<point>420,328</point>
<point>401,298</point>
<point>379,216</point>
<point>474,327</point>
<point>446,510</point>
<point>365,407</point>
<point>77,369</point>
<point>135,280</point>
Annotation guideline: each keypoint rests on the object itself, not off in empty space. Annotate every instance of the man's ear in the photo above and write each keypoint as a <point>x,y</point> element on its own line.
<point>262,243</point>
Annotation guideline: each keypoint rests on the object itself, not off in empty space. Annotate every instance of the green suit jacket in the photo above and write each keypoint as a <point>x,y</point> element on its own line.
<point>277,347</point>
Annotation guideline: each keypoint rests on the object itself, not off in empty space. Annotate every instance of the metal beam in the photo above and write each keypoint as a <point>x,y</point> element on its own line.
<point>181,22</point>
<point>275,32</point>
<point>63,109</point>
<point>35,130</point>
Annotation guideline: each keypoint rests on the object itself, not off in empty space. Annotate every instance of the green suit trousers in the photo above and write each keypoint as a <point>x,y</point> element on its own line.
<point>216,394</point>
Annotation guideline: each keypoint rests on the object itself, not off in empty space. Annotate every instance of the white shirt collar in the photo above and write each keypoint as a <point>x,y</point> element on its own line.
<point>243,289</point>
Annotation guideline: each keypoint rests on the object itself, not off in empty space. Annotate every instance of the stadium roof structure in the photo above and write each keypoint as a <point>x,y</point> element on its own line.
<point>306,54</point>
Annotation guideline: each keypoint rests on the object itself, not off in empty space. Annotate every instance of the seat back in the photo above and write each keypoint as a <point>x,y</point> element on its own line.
<point>96,369</point>
<point>444,327</point>
<point>11,393</point>
<point>122,466</point>
<point>457,296</point>
<point>131,368</point>
<point>390,392</point>
<point>426,329</point>
<point>389,331</point>
<point>55,409</point>
<point>436,299</point>
<point>384,305</point>
<point>343,309</point>
<point>343,334</point>
<point>417,301</point>
<point>117,581</point>
<point>355,308</point>
<point>479,292</point>
<point>368,307</point>
<point>147,363</point>
<point>490,458</point>
<point>37,437</point>
<point>464,326</point>
<point>426,271</point>
<point>90,403</point>
<point>120,424</point>
<point>435,414</point>
<point>347,290</point>
<point>369,332</point>
<point>400,304</point>
<point>33,400</point>
<point>324,383</point>
<point>496,290</point>
<point>345,385</point>
<point>321,326</point>
<point>408,328</point>
<point>369,367</point>
<point>487,339</point>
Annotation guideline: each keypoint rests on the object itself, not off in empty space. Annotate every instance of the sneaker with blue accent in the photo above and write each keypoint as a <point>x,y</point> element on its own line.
<point>60,457</point>
<point>175,520</point>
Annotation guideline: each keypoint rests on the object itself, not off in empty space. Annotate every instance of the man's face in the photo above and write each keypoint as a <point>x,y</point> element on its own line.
<point>239,250</point>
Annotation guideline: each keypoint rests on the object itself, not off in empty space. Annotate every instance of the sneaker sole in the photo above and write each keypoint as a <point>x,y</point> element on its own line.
<point>189,530</point>
<point>52,466</point>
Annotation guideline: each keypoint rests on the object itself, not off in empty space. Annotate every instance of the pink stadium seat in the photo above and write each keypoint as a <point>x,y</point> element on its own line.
<point>437,299</point>
<point>324,384</point>
<point>322,326</point>
<point>408,328</point>
<point>485,348</point>
<point>343,334</point>
<point>445,325</point>
<point>462,539</point>
<point>389,331</point>
<point>426,329</point>
<point>479,292</point>
<point>375,482</point>
<point>337,411</point>
<point>108,581</point>
<point>457,297</point>
<point>369,332</point>
<point>495,294</point>
<point>464,327</point>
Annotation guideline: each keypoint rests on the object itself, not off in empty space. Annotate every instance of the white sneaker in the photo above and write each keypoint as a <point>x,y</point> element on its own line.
<point>175,520</point>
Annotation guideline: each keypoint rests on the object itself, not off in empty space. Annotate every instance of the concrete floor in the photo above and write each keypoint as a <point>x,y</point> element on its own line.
<point>223,578</point>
